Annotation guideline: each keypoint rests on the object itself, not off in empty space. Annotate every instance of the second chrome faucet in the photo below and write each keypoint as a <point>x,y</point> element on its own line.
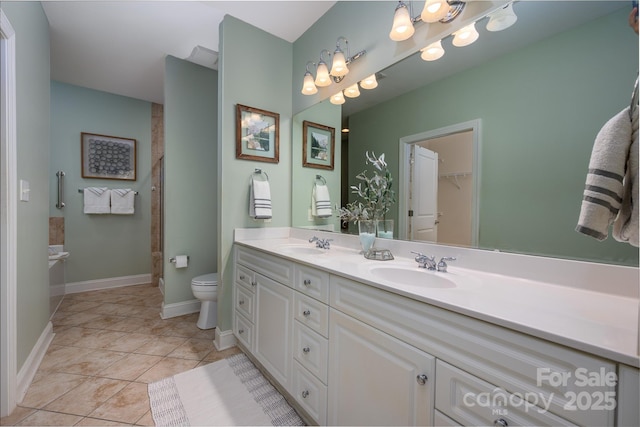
<point>429,262</point>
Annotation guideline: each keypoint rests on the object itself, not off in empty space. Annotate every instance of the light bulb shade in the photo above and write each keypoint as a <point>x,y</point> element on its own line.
<point>502,19</point>
<point>339,64</point>
<point>434,10</point>
<point>432,52</point>
<point>322,75</point>
<point>369,82</point>
<point>337,99</point>
<point>308,87</point>
<point>402,27</point>
<point>352,91</point>
<point>465,36</point>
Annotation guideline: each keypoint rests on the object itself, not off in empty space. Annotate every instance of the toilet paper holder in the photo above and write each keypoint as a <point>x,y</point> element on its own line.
<point>173,259</point>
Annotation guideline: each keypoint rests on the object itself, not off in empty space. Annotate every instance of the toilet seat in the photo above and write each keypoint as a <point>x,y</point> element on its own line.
<point>210,279</point>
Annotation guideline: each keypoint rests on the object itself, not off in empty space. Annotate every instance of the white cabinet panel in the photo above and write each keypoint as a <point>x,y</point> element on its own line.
<point>312,282</point>
<point>244,301</point>
<point>312,313</point>
<point>271,266</point>
<point>311,350</point>
<point>375,379</point>
<point>243,330</point>
<point>310,393</point>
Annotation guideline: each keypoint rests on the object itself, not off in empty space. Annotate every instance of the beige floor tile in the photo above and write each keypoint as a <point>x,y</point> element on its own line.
<point>127,406</point>
<point>46,418</point>
<point>193,349</point>
<point>46,388</point>
<point>91,363</point>
<point>88,396</point>
<point>161,346</point>
<point>136,324</point>
<point>96,422</point>
<point>57,356</point>
<point>88,337</point>
<point>148,312</point>
<point>76,305</point>
<point>129,342</point>
<point>105,321</point>
<point>146,420</point>
<point>205,334</point>
<point>216,355</point>
<point>130,367</point>
<point>165,368</point>
<point>76,318</point>
<point>16,416</point>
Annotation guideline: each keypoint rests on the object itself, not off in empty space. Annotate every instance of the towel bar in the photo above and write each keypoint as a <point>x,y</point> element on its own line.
<point>260,172</point>
<point>81,190</point>
<point>322,180</point>
<point>60,175</point>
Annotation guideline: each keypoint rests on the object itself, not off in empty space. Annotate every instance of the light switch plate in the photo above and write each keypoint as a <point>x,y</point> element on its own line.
<point>24,190</point>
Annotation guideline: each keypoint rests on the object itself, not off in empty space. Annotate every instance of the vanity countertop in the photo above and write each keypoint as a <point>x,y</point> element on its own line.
<point>601,323</point>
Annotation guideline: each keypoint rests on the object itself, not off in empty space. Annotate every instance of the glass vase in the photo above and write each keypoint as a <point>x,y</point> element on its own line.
<point>367,234</point>
<point>384,228</point>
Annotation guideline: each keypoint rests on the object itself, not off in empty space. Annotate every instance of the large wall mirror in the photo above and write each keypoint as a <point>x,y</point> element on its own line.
<point>537,94</point>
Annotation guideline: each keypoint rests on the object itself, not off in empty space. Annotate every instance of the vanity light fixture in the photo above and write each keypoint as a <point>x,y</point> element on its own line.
<point>434,10</point>
<point>308,86</point>
<point>432,52</point>
<point>337,99</point>
<point>402,28</point>
<point>369,82</point>
<point>322,71</point>
<point>502,18</point>
<point>465,36</point>
<point>352,91</point>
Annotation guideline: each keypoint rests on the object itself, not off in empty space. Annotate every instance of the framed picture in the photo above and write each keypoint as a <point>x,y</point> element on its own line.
<point>257,134</point>
<point>108,157</point>
<point>318,145</point>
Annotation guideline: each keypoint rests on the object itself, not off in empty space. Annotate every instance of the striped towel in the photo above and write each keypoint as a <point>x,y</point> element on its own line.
<point>320,201</point>
<point>260,200</point>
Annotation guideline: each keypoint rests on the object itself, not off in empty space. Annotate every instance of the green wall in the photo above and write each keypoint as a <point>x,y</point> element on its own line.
<point>101,246</point>
<point>32,97</point>
<point>541,108</point>
<point>254,70</point>
<point>191,174</point>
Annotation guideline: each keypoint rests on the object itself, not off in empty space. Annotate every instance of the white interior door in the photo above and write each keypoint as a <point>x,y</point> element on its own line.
<point>424,195</point>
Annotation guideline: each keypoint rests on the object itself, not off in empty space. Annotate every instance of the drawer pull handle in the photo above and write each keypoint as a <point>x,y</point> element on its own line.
<point>307,282</point>
<point>422,379</point>
<point>501,422</point>
<point>306,313</point>
<point>253,283</point>
<point>242,277</point>
<point>241,302</point>
<point>306,350</point>
<point>305,393</point>
<point>241,331</point>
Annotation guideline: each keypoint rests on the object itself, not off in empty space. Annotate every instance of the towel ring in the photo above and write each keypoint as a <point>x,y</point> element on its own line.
<point>322,180</point>
<point>260,172</point>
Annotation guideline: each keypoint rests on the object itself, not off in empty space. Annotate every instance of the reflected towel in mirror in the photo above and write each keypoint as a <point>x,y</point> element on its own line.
<point>320,201</point>
<point>260,199</point>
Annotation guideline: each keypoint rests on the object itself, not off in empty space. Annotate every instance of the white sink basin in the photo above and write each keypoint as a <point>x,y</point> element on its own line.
<point>58,255</point>
<point>303,249</point>
<point>415,276</point>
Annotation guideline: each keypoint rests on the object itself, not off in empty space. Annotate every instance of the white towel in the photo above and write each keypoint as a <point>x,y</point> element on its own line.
<point>320,201</point>
<point>96,200</point>
<point>123,201</point>
<point>260,200</point>
<point>605,185</point>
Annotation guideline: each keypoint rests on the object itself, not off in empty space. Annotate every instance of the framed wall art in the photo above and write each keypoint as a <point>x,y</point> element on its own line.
<point>108,157</point>
<point>318,145</point>
<point>257,134</point>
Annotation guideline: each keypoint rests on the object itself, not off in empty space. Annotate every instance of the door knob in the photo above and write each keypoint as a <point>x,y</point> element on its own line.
<point>422,379</point>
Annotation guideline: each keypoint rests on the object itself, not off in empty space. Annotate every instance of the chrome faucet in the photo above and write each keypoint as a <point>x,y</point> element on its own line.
<point>424,261</point>
<point>442,265</point>
<point>321,243</point>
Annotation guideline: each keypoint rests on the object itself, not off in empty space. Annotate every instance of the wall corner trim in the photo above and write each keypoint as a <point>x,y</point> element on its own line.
<point>224,340</point>
<point>30,367</point>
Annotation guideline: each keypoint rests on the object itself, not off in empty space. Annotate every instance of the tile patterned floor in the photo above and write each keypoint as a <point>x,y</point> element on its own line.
<point>108,346</point>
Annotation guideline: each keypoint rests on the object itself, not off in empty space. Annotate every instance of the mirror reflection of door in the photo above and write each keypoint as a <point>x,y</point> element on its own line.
<point>452,218</point>
<point>423,224</point>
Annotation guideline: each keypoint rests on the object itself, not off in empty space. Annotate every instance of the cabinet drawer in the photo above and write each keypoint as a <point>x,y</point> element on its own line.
<point>514,361</point>
<point>311,350</point>
<point>276,268</point>
<point>244,301</point>
<point>244,331</point>
<point>472,401</point>
<point>310,393</point>
<point>245,276</point>
<point>312,282</point>
<point>312,313</point>
<point>440,419</point>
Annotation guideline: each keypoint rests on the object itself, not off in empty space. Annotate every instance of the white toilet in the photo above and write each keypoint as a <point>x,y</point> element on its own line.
<point>205,288</point>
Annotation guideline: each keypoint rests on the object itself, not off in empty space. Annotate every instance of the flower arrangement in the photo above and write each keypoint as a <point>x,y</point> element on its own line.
<point>375,195</point>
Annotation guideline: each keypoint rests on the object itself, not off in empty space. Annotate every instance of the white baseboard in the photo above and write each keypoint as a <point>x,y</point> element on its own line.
<point>28,370</point>
<point>110,282</point>
<point>180,308</point>
<point>224,340</point>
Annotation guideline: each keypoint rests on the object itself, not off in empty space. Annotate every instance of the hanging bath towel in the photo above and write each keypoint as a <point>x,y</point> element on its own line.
<point>320,201</point>
<point>123,201</point>
<point>260,200</point>
<point>96,200</point>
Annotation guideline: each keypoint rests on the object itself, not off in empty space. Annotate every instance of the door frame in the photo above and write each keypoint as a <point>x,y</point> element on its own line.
<point>9,218</point>
<point>404,147</point>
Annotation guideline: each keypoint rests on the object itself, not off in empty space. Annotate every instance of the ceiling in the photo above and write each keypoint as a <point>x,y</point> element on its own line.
<point>119,46</point>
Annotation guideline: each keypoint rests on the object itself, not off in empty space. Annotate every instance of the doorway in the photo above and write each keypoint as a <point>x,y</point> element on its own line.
<point>455,220</point>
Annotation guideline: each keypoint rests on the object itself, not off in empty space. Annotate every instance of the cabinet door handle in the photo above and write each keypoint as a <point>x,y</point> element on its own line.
<point>501,422</point>
<point>306,313</point>
<point>305,393</point>
<point>307,282</point>
<point>422,379</point>
<point>242,277</point>
<point>241,331</point>
<point>253,283</point>
<point>306,350</point>
<point>241,302</point>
